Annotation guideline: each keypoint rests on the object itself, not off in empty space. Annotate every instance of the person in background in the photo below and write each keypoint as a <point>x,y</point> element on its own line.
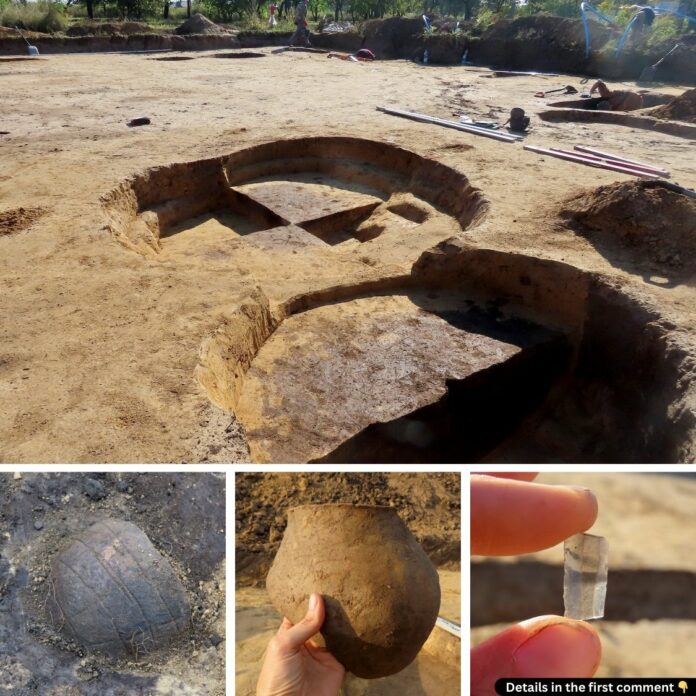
<point>301,35</point>
<point>272,8</point>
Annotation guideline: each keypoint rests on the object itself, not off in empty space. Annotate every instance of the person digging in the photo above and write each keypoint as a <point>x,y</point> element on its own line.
<point>301,35</point>
<point>616,100</point>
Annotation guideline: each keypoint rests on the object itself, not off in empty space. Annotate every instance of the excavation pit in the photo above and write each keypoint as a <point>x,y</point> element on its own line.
<point>478,355</point>
<point>620,118</point>
<point>376,333</point>
<point>240,54</point>
<point>330,192</point>
<point>174,58</point>
<point>19,219</point>
<point>415,376</point>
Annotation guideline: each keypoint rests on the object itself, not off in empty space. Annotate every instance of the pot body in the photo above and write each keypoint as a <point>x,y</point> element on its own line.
<point>381,592</point>
<point>113,592</point>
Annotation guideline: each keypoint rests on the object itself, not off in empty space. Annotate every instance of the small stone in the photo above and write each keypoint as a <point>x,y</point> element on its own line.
<point>38,524</point>
<point>94,489</point>
<point>17,475</point>
<point>215,640</point>
<point>121,486</point>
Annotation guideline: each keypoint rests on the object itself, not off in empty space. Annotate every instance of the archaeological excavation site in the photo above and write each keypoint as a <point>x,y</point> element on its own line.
<point>262,260</point>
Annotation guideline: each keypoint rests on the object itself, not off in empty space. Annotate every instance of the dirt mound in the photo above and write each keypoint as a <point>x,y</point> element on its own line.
<point>428,503</point>
<point>394,37</point>
<point>109,28</point>
<point>199,24</point>
<point>19,219</point>
<point>681,108</point>
<point>647,220</point>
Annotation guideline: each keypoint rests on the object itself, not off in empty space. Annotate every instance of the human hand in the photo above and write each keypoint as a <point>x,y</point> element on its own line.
<point>295,665</point>
<point>511,515</point>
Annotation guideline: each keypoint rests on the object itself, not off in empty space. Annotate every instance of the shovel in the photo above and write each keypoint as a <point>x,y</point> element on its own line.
<point>31,50</point>
<point>568,89</point>
<point>648,74</point>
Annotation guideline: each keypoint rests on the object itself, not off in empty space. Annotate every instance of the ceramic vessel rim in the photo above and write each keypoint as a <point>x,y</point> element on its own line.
<point>351,506</point>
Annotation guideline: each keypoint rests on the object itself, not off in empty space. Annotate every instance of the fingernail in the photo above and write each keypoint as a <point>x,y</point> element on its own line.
<point>568,649</point>
<point>313,600</point>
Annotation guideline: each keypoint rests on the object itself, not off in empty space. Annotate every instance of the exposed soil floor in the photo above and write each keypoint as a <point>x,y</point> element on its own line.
<point>183,515</point>
<point>649,626</point>
<point>101,347</point>
<point>401,359</point>
<point>430,506</point>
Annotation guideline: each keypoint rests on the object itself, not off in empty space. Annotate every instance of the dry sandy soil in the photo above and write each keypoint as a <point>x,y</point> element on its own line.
<point>101,340</point>
<point>183,515</point>
<point>649,626</point>
<point>430,506</point>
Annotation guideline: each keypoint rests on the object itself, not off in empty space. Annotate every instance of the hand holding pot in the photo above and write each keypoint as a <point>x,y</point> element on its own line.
<point>511,515</point>
<point>295,665</point>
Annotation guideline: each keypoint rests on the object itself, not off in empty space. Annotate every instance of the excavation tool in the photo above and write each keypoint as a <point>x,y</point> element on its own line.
<point>475,130</point>
<point>521,73</point>
<point>568,89</point>
<point>648,74</point>
<point>31,50</point>
<point>449,626</point>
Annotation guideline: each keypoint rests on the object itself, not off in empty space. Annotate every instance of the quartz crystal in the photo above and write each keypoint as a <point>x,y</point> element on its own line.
<point>585,576</point>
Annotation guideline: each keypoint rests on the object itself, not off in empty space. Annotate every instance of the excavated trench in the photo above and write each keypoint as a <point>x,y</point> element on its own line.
<point>240,54</point>
<point>308,192</point>
<point>584,114</point>
<point>468,355</point>
<point>483,356</point>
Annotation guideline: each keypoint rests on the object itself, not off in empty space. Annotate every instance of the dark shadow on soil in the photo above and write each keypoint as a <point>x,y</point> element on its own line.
<point>477,413</point>
<point>240,54</point>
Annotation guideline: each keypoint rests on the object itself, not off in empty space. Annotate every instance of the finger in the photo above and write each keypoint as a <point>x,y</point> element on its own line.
<point>548,646</point>
<point>517,475</point>
<point>510,517</point>
<point>297,635</point>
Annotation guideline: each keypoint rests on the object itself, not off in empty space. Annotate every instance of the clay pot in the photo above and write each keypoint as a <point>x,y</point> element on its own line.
<point>113,592</point>
<point>382,593</point>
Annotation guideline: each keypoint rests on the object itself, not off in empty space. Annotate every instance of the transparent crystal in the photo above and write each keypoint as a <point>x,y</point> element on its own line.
<point>585,576</point>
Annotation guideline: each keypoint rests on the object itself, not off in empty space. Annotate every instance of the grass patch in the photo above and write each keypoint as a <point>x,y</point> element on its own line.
<point>47,18</point>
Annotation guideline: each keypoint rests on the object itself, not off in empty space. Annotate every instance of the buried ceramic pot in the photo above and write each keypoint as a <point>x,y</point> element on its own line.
<point>381,592</point>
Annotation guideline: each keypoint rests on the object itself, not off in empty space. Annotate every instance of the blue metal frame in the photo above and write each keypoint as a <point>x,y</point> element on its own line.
<point>586,8</point>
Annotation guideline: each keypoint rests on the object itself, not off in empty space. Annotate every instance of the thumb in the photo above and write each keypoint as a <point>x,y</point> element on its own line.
<point>310,625</point>
<point>548,646</point>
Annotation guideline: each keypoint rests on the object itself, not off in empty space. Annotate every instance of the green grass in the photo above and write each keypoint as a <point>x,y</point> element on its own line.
<point>44,17</point>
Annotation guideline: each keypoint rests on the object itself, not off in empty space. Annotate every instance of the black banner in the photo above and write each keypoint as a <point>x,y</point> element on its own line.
<point>682,686</point>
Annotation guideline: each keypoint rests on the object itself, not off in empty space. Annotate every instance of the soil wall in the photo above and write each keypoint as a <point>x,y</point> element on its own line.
<point>539,42</point>
<point>48,44</point>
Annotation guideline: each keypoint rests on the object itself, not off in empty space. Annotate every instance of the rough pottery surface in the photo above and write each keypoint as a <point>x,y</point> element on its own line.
<point>113,592</point>
<point>381,592</point>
